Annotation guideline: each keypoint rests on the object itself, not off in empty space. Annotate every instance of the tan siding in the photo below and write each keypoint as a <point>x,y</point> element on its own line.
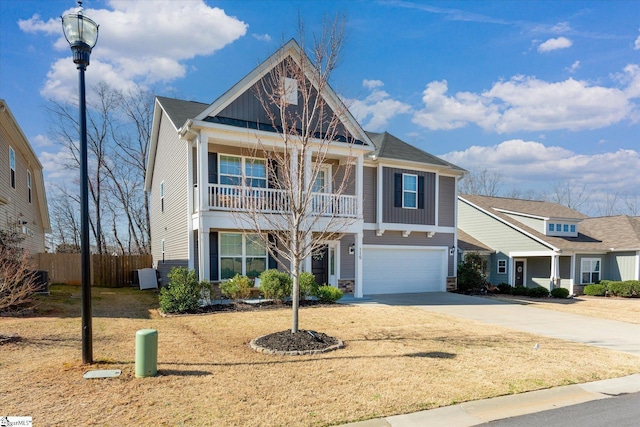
<point>395,215</point>
<point>447,202</point>
<point>172,225</point>
<point>370,194</point>
<point>18,207</point>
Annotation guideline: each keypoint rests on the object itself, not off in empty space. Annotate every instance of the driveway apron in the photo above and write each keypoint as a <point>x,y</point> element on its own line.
<point>608,334</point>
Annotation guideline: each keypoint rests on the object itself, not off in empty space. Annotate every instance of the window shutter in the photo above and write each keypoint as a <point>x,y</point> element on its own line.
<point>272,262</point>
<point>397,201</point>
<point>213,168</point>
<point>213,255</point>
<point>420,192</point>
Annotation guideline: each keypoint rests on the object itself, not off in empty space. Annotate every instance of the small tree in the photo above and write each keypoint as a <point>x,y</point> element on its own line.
<point>472,272</point>
<point>17,284</point>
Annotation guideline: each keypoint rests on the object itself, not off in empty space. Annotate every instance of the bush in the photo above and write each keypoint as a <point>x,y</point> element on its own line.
<point>328,293</point>
<point>238,287</point>
<point>183,292</point>
<point>519,290</point>
<point>560,292</point>
<point>275,284</point>
<point>308,285</point>
<point>595,290</point>
<point>505,288</point>
<point>629,288</point>
<point>538,292</point>
<point>471,271</point>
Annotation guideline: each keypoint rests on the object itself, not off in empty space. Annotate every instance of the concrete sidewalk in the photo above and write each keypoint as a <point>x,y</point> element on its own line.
<point>497,408</point>
<point>608,334</point>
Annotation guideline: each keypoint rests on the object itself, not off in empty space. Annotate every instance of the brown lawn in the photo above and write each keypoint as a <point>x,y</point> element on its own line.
<point>397,360</point>
<point>610,308</point>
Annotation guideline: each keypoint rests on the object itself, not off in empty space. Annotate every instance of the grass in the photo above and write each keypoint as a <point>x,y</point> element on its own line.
<point>620,309</point>
<point>397,360</point>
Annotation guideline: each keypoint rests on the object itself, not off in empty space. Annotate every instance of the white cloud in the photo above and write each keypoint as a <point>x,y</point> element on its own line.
<point>377,108</point>
<point>529,104</point>
<point>574,67</point>
<point>554,44</point>
<point>42,141</point>
<point>262,37</point>
<point>141,42</point>
<point>636,45</point>
<point>532,165</point>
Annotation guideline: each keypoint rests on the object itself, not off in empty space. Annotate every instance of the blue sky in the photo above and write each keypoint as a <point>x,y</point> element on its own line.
<point>539,92</point>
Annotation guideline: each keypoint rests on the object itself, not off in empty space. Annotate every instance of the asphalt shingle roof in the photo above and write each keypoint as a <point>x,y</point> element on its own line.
<point>179,111</point>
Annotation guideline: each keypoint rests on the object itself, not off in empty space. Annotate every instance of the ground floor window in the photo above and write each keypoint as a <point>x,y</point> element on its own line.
<point>243,254</point>
<point>502,266</point>
<point>590,270</point>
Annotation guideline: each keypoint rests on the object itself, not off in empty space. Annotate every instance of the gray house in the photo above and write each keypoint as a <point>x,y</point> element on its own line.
<point>401,201</point>
<point>535,243</point>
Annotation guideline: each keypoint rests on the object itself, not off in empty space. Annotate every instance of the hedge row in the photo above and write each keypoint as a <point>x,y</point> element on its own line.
<point>628,288</point>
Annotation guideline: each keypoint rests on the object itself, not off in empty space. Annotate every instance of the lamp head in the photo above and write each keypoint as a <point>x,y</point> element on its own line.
<point>82,35</point>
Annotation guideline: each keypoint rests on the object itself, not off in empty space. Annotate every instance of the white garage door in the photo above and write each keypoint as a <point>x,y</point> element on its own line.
<point>392,270</point>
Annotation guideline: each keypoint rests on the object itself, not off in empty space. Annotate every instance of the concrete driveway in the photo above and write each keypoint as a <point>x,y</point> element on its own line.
<point>608,334</point>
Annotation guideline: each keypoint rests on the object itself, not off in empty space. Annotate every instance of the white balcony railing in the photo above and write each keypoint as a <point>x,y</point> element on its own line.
<point>270,200</point>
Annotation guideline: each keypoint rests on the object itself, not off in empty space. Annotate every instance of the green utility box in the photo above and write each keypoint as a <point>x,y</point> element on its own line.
<point>146,353</point>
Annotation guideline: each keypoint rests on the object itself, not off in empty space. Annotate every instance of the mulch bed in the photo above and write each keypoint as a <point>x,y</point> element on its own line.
<point>238,306</point>
<point>302,342</point>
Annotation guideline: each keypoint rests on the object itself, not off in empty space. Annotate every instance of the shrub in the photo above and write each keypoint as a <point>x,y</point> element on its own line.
<point>595,290</point>
<point>471,273</point>
<point>238,287</point>
<point>560,292</point>
<point>629,288</point>
<point>538,292</point>
<point>308,285</point>
<point>328,293</point>
<point>505,288</point>
<point>275,284</point>
<point>183,292</point>
<point>519,290</point>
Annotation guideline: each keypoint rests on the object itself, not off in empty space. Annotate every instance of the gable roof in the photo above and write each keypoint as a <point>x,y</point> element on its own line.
<point>468,243</point>
<point>391,147</point>
<point>179,111</point>
<point>594,234</point>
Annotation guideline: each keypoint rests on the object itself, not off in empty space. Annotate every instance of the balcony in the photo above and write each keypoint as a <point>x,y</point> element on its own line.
<point>269,200</point>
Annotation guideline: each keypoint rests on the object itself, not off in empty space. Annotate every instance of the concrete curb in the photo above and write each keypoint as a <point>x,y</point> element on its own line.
<point>483,411</point>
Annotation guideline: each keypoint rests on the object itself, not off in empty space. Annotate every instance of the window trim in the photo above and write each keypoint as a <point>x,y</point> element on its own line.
<point>163,251</point>
<point>29,187</point>
<point>243,256</point>
<point>502,266</point>
<point>162,196</point>
<point>244,178</point>
<point>404,190</point>
<point>591,271</point>
<point>12,167</point>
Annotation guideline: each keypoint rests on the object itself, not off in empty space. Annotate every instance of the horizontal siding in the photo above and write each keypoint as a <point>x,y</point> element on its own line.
<point>447,201</point>
<point>494,233</point>
<point>369,193</point>
<point>538,272</point>
<point>536,224</point>
<point>172,225</point>
<point>347,260</point>
<point>392,214</point>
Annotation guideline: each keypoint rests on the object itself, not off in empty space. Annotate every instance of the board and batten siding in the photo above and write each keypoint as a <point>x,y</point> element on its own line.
<point>399,215</point>
<point>394,238</point>
<point>494,233</point>
<point>369,193</point>
<point>17,206</point>
<point>447,201</point>
<point>621,266</point>
<point>172,225</point>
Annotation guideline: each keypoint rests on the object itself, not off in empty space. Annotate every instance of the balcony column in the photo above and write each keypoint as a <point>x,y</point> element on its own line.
<point>202,148</point>
<point>358,267</point>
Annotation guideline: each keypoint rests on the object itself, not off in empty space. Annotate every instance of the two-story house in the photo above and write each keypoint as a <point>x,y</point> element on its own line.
<point>23,201</point>
<point>538,243</point>
<point>400,201</point>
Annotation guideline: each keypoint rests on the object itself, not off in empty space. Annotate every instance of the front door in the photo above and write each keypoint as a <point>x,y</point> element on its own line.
<point>320,264</point>
<point>519,272</point>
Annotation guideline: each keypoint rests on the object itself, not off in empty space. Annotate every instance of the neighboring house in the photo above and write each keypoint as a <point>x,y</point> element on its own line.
<point>537,243</point>
<point>402,201</point>
<point>23,201</point>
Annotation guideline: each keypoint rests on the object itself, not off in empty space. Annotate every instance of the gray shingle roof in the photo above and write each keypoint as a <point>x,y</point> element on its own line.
<point>180,111</point>
<point>391,147</point>
<point>619,232</point>
<point>469,243</point>
<point>531,207</point>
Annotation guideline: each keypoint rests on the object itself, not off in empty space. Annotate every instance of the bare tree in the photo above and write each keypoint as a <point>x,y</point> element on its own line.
<point>607,204</point>
<point>632,204</point>
<point>481,183</point>
<point>307,128</point>
<point>17,284</point>
<point>570,194</point>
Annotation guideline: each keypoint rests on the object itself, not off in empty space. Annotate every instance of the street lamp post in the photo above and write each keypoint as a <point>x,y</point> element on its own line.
<point>82,35</point>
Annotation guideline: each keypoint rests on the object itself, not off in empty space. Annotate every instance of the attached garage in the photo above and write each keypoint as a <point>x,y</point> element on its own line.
<point>403,269</point>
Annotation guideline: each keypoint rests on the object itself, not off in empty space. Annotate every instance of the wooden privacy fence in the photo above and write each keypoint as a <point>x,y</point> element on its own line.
<point>106,270</point>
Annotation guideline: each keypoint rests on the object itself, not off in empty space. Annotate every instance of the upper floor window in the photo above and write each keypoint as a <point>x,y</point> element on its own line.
<point>551,226</point>
<point>235,170</point>
<point>409,191</point>
<point>29,190</point>
<point>162,196</point>
<point>573,228</point>
<point>590,270</point>
<point>12,166</point>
